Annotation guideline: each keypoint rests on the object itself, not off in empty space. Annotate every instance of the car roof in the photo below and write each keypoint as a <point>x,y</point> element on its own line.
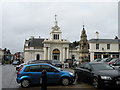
<point>38,64</point>
<point>97,63</point>
<point>94,62</point>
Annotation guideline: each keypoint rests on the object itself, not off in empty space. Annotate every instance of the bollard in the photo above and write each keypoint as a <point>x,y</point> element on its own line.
<point>44,80</point>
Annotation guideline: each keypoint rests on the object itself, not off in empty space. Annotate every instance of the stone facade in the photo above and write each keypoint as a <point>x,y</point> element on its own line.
<point>103,48</point>
<point>53,48</point>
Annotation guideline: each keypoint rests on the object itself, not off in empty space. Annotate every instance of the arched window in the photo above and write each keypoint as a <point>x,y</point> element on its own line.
<point>73,56</point>
<point>38,57</point>
<point>56,54</point>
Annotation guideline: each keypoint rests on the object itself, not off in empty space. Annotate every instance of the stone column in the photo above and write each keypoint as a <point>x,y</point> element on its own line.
<point>91,56</point>
<point>111,56</point>
<point>63,55</point>
<point>44,53</point>
<point>67,53</point>
<point>48,53</point>
<point>102,55</point>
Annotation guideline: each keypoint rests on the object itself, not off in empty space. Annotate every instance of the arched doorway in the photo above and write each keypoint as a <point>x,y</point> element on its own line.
<point>38,57</point>
<point>56,54</point>
<point>73,56</point>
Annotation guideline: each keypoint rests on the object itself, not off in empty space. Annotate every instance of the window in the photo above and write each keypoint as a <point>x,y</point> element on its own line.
<point>73,56</point>
<point>119,46</point>
<point>108,46</point>
<point>47,68</point>
<point>56,36</point>
<point>34,68</point>
<point>118,63</point>
<point>88,46</point>
<point>27,69</point>
<point>87,66</point>
<point>97,46</point>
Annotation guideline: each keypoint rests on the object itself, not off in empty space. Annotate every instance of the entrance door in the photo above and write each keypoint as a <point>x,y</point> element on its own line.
<point>56,54</point>
<point>37,57</point>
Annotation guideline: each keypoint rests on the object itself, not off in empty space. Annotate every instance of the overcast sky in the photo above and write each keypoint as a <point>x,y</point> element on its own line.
<point>21,20</point>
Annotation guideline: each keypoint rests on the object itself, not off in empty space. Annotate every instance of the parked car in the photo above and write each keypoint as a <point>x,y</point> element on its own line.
<point>39,61</point>
<point>16,62</point>
<point>97,60</point>
<point>113,61</point>
<point>70,62</point>
<point>106,60</point>
<point>116,65</point>
<point>32,74</point>
<point>20,66</point>
<point>56,63</point>
<point>99,74</point>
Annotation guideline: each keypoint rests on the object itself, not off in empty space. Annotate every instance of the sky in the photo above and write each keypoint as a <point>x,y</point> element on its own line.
<point>21,20</point>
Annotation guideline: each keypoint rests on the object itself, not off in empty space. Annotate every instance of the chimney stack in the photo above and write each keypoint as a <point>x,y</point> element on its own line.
<point>97,35</point>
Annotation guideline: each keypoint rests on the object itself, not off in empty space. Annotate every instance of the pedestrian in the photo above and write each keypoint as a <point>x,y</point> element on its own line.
<point>44,80</point>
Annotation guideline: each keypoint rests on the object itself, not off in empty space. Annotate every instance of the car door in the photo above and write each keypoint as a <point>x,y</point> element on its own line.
<point>87,73</point>
<point>35,74</point>
<point>53,74</point>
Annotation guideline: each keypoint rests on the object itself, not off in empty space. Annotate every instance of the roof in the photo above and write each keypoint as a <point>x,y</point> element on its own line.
<point>35,42</point>
<point>104,41</point>
<point>38,64</point>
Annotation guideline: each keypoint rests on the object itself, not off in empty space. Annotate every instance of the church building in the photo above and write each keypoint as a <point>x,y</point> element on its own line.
<point>55,48</point>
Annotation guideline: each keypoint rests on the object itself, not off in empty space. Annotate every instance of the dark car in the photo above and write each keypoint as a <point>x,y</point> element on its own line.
<point>106,60</point>
<point>32,62</point>
<point>116,65</point>
<point>70,62</point>
<point>97,60</point>
<point>56,63</point>
<point>32,74</point>
<point>113,61</point>
<point>98,74</point>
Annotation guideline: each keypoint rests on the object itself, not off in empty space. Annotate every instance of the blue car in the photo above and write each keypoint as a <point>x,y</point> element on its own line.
<point>32,74</point>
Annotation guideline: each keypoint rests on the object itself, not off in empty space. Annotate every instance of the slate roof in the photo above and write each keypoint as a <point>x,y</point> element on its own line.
<point>35,42</point>
<point>104,40</point>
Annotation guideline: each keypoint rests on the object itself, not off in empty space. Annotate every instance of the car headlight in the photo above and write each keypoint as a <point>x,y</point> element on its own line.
<point>106,77</point>
<point>71,73</point>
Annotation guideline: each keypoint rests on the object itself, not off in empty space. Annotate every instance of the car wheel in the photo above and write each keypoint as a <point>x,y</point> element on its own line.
<point>65,81</point>
<point>25,83</point>
<point>95,83</point>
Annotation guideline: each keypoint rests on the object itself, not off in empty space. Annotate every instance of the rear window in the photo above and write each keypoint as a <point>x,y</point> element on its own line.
<point>101,67</point>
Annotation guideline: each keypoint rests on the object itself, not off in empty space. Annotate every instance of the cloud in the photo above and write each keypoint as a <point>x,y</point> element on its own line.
<point>25,19</point>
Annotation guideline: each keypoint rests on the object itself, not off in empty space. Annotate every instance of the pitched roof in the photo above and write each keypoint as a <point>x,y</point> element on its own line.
<point>35,42</point>
<point>104,41</point>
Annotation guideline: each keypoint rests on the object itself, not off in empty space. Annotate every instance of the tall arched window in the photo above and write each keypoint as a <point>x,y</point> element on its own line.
<point>56,54</point>
<point>38,57</point>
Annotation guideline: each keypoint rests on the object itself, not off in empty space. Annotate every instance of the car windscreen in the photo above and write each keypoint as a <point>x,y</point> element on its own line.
<point>113,60</point>
<point>101,67</point>
<point>104,59</point>
<point>56,61</point>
